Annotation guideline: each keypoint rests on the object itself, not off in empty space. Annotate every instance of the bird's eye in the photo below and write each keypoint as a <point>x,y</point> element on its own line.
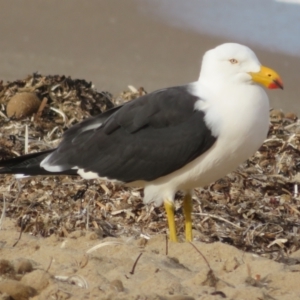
<point>233,61</point>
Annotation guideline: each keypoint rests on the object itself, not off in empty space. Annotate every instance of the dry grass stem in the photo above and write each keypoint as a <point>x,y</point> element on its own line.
<point>3,212</point>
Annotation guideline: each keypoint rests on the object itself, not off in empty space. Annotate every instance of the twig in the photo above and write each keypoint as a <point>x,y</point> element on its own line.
<point>26,139</point>
<point>103,244</point>
<point>40,110</point>
<point>294,209</point>
<point>296,190</point>
<point>88,214</point>
<point>51,260</point>
<point>135,263</point>
<point>3,212</point>
<point>217,217</point>
<point>202,256</point>
<point>60,113</point>
<point>15,244</point>
<point>3,115</point>
<point>24,222</point>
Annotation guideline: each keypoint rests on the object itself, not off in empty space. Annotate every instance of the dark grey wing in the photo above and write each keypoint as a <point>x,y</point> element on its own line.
<point>30,164</point>
<point>147,138</point>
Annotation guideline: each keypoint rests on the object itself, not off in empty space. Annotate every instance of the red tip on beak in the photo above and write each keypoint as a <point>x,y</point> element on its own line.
<point>277,83</point>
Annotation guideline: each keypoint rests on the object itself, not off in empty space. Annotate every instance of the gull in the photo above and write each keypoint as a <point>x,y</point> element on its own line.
<point>177,138</point>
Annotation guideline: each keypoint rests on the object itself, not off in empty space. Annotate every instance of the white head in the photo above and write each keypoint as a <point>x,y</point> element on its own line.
<point>232,62</point>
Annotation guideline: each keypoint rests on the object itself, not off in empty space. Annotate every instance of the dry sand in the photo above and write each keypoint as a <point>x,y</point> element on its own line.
<point>62,269</point>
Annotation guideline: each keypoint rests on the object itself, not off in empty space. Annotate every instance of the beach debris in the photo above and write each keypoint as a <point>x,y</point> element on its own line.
<point>255,208</point>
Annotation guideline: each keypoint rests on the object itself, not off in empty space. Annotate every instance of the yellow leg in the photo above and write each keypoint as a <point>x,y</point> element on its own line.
<point>187,209</point>
<point>169,207</point>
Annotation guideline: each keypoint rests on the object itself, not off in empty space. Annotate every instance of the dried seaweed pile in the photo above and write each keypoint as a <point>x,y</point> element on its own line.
<point>256,208</point>
<point>65,102</point>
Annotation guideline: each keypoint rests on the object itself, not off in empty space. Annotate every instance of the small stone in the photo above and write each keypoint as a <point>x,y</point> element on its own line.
<point>22,105</point>
<point>6,267</point>
<point>16,290</point>
<point>231,264</point>
<point>173,262</point>
<point>37,279</point>
<point>291,116</point>
<point>92,236</point>
<point>117,285</point>
<point>23,266</point>
<point>142,242</point>
<point>76,234</point>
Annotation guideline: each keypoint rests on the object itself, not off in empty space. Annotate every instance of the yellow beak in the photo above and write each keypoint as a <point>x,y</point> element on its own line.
<point>268,78</point>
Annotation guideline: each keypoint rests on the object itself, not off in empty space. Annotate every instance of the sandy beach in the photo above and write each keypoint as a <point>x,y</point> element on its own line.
<point>114,44</point>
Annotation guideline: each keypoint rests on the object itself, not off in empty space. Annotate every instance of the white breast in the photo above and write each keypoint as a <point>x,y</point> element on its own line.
<point>241,121</point>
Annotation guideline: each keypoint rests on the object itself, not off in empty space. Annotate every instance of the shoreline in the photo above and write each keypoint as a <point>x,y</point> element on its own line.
<point>115,45</point>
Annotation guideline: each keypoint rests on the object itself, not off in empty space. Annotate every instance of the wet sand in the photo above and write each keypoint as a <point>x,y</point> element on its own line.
<point>113,43</point>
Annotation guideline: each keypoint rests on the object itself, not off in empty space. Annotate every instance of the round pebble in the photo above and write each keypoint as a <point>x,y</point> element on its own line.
<point>22,105</point>
<point>37,279</point>
<point>23,266</point>
<point>291,116</point>
<point>6,267</point>
<point>117,285</point>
